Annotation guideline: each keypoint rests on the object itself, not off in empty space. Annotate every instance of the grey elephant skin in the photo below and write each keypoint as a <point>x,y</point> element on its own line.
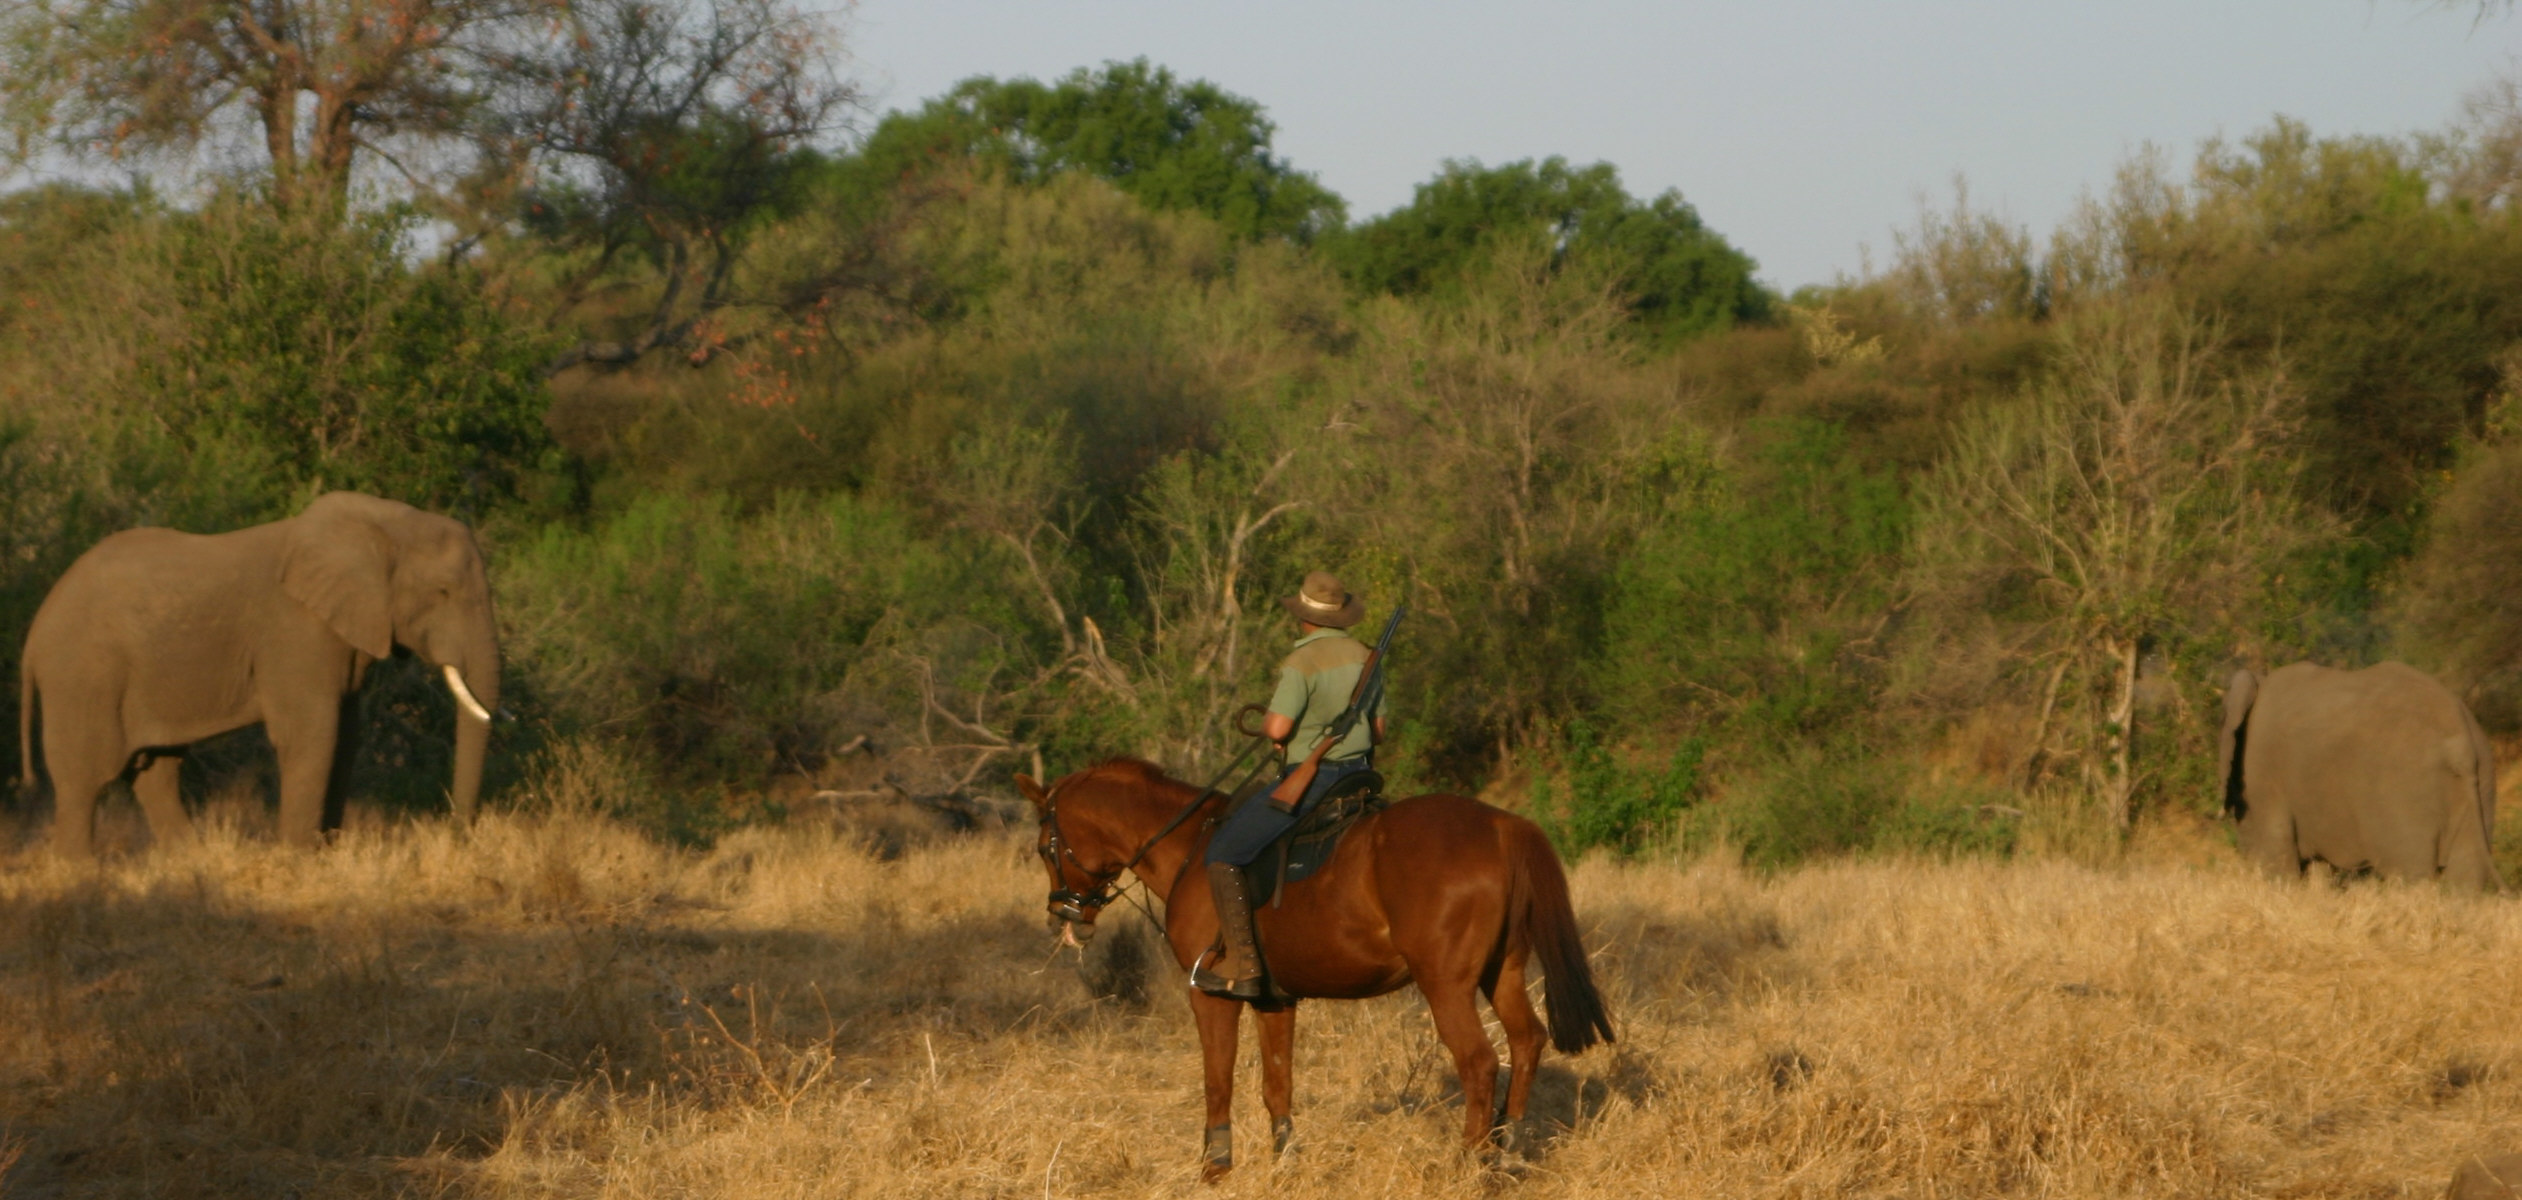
<point>156,639</point>
<point>2381,769</point>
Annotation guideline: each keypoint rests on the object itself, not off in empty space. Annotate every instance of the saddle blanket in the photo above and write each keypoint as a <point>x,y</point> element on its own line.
<point>1310,842</point>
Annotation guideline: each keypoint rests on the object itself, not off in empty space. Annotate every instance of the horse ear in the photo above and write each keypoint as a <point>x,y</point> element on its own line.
<point>1032,790</point>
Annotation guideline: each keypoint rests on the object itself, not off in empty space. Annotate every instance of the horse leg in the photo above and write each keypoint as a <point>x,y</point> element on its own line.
<point>1524,1035</point>
<point>1475,1060</point>
<point>1217,1018</point>
<point>1278,1071</point>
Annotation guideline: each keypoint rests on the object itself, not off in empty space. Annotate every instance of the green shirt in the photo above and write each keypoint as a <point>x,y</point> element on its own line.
<point>1314,686</point>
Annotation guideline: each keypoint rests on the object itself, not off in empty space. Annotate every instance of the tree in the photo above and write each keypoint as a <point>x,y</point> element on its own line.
<point>118,77</point>
<point>324,85</point>
<point>2134,501</point>
<point>1964,265</point>
<point>666,131</point>
<point>2456,594</point>
<point>310,356</point>
<point>2386,288</point>
<point>1679,278</point>
<point>1172,144</point>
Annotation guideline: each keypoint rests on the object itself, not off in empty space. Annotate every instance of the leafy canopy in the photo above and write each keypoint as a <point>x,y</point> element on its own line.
<point>1679,277</point>
<point>609,89</point>
<point>309,356</point>
<point>1171,144</point>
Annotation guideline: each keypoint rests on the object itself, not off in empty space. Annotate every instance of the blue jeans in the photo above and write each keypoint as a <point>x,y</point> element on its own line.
<point>1256,823</point>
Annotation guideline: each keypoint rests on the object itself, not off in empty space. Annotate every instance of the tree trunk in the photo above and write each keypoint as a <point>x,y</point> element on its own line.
<point>335,141</point>
<point>279,104</point>
<point>2120,786</point>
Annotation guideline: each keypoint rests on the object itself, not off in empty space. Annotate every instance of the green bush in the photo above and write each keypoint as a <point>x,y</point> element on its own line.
<point>1621,808</point>
<point>1735,606</point>
<point>1677,278</point>
<point>727,647</point>
<point>310,356</point>
<point>1840,799</point>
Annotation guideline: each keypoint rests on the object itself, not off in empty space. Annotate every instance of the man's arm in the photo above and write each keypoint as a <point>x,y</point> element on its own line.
<point>1287,702</point>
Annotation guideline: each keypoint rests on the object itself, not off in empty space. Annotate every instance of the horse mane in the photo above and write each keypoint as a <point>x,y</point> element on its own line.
<point>1127,771</point>
<point>1122,768</point>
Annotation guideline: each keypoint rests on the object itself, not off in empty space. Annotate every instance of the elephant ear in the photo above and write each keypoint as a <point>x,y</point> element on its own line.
<point>2483,777</point>
<point>338,566</point>
<point>2239,694</point>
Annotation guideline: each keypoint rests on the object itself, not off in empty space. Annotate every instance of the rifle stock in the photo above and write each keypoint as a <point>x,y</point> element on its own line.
<point>1291,791</point>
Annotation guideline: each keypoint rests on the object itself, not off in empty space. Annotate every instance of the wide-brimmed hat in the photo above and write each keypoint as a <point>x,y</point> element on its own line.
<point>1324,601</point>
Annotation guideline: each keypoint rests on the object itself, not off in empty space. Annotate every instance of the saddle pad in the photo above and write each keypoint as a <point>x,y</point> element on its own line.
<point>1309,843</point>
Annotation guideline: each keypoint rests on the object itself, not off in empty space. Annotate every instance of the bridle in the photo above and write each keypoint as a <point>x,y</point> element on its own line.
<point>1081,908</point>
<point>1067,903</point>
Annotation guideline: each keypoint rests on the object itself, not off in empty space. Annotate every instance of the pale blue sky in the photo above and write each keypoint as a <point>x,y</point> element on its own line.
<point>1801,129</point>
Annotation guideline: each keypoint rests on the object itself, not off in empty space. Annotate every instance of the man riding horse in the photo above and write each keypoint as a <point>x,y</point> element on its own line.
<point>1440,891</point>
<point>1317,683</point>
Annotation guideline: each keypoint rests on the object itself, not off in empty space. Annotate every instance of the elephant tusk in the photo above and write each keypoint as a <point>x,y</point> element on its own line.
<point>464,695</point>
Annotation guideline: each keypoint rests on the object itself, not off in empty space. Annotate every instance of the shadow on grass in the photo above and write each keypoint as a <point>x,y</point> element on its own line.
<point>182,1040</point>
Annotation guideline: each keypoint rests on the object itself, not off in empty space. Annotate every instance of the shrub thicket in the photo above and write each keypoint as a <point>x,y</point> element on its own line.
<point>995,438</point>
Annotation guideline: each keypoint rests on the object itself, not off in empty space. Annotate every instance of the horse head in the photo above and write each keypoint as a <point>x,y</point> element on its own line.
<point>1085,865</point>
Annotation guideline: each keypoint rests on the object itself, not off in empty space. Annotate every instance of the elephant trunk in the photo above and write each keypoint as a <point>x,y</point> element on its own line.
<point>475,684</point>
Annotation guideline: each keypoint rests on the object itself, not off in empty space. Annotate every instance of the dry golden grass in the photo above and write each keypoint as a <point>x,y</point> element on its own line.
<point>557,1006</point>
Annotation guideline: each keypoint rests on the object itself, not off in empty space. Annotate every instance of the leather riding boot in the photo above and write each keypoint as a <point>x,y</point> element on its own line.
<point>1236,970</point>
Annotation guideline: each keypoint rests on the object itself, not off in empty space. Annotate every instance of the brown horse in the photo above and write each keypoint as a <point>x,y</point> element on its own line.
<point>1439,890</point>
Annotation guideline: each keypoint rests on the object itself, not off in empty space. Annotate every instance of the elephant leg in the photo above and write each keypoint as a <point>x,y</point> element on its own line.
<point>346,730</point>
<point>81,761</point>
<point>75,793</point>
<point>2468,861</point>
<point>303,739</point>
<point>161,797</point>
<point>2471,868</point>
<point>2268,841</point>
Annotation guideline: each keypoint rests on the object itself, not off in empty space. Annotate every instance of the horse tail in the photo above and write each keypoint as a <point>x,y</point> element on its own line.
<point>1539,908</point>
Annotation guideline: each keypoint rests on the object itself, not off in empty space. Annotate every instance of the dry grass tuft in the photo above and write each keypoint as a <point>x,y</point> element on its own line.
<point>557,1006</point>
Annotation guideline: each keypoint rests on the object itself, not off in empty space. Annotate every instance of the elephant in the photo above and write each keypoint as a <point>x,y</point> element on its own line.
<point>155,639</point>
<point>2381,768</point>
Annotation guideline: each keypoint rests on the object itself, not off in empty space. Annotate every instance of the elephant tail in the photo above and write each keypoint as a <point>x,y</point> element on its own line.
<point>26,730</point>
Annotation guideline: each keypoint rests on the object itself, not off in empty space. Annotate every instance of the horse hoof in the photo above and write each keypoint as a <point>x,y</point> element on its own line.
<point>1282,1135</point>
<point>1217,1152</point>
<point>1505,1138</point>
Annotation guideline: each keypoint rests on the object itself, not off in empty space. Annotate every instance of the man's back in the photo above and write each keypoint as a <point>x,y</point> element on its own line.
<point>1315,684</point>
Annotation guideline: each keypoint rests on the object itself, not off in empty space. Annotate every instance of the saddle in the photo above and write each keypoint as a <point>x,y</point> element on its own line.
<point>1310,842</point>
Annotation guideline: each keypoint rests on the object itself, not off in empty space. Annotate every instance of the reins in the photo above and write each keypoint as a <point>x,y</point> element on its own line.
<point>1068,900</point>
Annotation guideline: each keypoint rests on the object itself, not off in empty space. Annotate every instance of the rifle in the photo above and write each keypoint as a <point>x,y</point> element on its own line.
<point>1370,688</point>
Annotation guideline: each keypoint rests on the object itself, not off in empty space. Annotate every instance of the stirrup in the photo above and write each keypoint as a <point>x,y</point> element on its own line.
<point>1218,985</point>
